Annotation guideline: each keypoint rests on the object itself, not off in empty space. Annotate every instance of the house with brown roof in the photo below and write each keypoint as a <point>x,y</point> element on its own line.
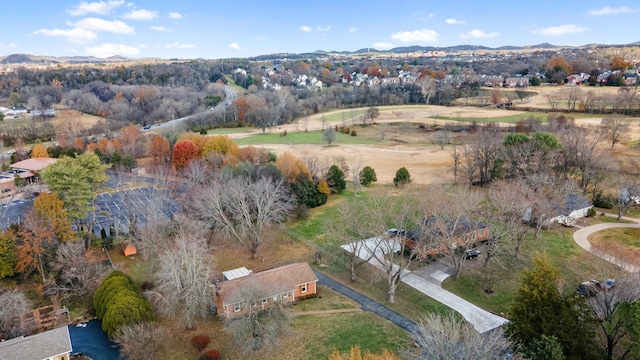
<point>49,345</point>
<point>260,290</point>
<point>433,237</point>
<point>28,169</point>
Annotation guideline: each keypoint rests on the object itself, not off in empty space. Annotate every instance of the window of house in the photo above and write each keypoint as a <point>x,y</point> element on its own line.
<point>237,307</point>
<point>303,288</point>
<point>264,301</point>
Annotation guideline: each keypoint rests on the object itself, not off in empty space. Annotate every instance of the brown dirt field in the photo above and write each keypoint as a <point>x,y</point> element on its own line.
<point>426,164</point>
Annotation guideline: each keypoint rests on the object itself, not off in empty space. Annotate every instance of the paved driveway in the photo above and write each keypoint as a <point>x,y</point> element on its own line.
<point>428,281</point>
<point>581,237</point>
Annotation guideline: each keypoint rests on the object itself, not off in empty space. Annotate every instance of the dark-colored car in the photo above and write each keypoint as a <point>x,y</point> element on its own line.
<point>146,127</point>
<point>472,254</point>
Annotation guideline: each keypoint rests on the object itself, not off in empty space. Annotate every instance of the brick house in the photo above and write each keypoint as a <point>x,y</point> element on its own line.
<point>260,290</point>
<point>434,238</point>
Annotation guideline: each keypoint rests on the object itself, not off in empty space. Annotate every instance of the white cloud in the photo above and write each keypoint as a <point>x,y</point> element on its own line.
<point>452,21</point>
<point>175,15</point>
<point>478,34</point>
<point>141,14</point>
<point>106,50</point>
<point>179,46</point>
<point>76,35</point>
<point>352,29</point>
<point>607,10</point>
<point>306,28</point>
<point>160,29</point>
<point>424,35</point>
<point>98,7</point>
<point>323,29</point>
<point>560,30</point>
<point>97,24</point>
<point>382,45</point>
<point>234,45</point>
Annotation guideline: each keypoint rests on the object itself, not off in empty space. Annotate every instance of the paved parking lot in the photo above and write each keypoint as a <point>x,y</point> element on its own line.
<point>112,208</point>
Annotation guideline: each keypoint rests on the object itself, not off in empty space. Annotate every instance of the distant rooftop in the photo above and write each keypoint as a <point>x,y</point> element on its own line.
<point>33,164</point>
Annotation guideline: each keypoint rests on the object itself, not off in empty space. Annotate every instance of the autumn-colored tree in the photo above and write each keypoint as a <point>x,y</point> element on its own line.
<point>323,187</point>
<point>31,238</point>
<point>78,144</point>
<point>91,147</point>
<point>197,139</point>
<point>159,149</point>
<point>39,151</point>
<point>619,63</point>
<point>240,106</point>
<point>132,140</point>
<point>221,144</point>
<point>292,168</point>
<point>183,152</point>
<point>52,214</point>
<point>558,64</point>
<point>250,154</point>
<point>356,354</point>
<point>103,144</point>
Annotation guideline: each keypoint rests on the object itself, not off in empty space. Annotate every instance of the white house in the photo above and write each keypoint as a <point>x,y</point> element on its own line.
<point>576,207</point>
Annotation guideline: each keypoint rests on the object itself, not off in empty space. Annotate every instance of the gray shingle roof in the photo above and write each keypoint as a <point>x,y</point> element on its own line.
<point>37,347</point>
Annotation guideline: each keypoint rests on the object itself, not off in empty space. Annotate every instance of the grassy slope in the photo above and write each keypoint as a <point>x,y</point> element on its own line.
<point>311,137</point>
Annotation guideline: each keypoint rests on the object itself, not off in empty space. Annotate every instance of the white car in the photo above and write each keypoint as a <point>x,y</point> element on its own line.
<point>11,152</point>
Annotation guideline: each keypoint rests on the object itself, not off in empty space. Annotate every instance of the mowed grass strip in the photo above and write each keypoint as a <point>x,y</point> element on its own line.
<point>224,131</point>
<point>621,243</point>
<point>310,138</point>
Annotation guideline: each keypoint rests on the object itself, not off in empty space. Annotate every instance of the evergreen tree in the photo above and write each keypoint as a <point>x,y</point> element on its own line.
<point>539,308</point>
<point>335,179</point>
<point>402,177</point>
<point>367,176</point>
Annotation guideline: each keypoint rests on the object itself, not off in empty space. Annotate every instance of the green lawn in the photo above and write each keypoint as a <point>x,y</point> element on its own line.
<point>311,138</point>
<point>327,300</point>
<point>627,237</point>
<point>224,131</point>
<point>344,331</point>
<point>574,263</point>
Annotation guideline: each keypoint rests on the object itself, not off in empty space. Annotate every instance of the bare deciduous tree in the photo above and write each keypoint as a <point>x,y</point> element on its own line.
<point>442,138</point>
<point>355,168</point>
<point>617,129</point>
<point>450,226</point>
<point>183,280</point>
<point>329,135</point>
<point>142,341</point>
<point>427,87</point>
<point>383,249</point>
<point>13,304</point>
<point>197,172</point>
<point>77,274</point>
<point>447,337</point>
<point>244,209</point>
<point>260,327</point>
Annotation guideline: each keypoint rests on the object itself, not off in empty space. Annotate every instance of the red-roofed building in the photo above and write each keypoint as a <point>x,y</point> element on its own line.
<point>283,284</point>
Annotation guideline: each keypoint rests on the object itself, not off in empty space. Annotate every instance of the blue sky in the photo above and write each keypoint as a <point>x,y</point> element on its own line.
<point>241,28</point>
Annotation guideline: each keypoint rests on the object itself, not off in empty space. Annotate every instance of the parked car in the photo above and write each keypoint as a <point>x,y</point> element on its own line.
<point>593,287</point>
<point>146,127</point>
<point>394,231</point>
<point>472,254</point>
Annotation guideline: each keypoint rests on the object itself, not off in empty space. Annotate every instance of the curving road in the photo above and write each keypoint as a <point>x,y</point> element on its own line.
<point>229,93</point>
<point>581,237</point>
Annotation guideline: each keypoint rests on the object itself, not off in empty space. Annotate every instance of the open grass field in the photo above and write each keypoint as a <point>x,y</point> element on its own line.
<point>314,137</point>
<point>226,131</point>
<point>621,243</point>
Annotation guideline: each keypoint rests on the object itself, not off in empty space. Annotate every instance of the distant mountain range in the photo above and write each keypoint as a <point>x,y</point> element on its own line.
<point>48,60</point>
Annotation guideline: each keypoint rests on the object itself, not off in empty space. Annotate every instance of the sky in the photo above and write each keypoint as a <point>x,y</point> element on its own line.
<point>214,29</point>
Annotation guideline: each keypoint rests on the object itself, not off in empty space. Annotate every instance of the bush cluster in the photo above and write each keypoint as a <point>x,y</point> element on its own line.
<point>118,302</point>
<point>212,354</point>
<point>200,342</point>
<point>344,130</point>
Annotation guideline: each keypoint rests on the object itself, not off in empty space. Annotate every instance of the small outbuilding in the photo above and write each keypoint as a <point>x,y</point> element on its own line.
<point>130,250</point>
